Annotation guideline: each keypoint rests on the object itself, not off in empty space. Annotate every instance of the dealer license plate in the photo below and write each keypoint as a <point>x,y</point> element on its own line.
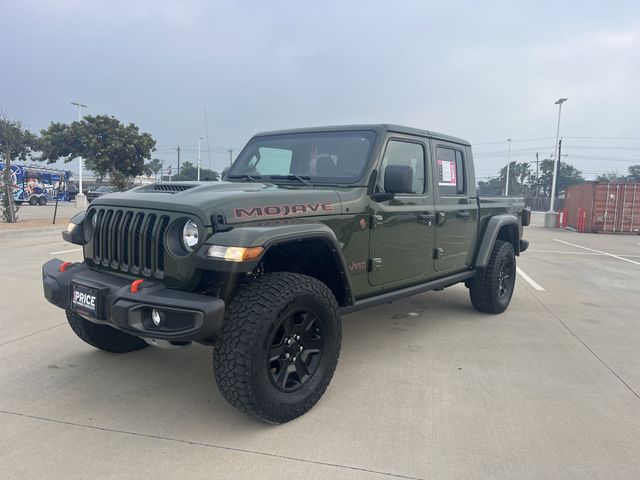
<point>85,300</point>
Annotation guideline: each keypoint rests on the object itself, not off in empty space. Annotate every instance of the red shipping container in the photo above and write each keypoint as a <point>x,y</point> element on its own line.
<point>604,207</point>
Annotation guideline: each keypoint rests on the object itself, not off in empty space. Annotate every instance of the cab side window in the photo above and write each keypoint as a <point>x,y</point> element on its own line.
<point>409,154</point>
<point>450,166</point>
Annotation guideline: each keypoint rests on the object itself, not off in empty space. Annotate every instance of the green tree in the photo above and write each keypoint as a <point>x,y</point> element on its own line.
<point>16,143</point>
<point>189,172</point>
<point>154,166</point>
<point>493,186</point>
<point>107,146</point>
<point>634,173</point>
<point>567,175</point>
<point>519,172</point>
<point>611,177</point>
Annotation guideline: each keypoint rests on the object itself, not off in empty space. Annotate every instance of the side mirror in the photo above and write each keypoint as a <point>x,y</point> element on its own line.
<point>382,196</point>
<point>398,179</point>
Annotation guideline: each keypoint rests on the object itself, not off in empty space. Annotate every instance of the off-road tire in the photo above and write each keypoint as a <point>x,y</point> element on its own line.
<point>484,288</point>
<point>42,201</point>
<point>241,357</point>
<point>104,337</point>
<point>33,201</point>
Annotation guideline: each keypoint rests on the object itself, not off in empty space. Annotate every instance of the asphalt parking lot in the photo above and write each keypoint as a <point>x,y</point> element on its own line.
<point>426,387</point>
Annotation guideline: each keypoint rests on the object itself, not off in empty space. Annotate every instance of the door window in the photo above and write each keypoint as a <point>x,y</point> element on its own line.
<point>450,165</point>
<point>405,154</point>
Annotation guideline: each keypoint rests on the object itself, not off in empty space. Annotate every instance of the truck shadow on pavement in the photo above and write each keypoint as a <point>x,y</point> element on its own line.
<point>174,390</point>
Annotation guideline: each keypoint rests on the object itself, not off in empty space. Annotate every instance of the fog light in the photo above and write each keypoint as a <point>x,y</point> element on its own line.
<point>156,317</point>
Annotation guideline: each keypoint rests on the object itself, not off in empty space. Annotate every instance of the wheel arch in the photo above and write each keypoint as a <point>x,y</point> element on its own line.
<point>499,227</point>
<point>309,249</point>
<point>316,255</point>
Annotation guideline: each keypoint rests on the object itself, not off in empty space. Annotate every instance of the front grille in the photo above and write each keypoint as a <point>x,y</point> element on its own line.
<point>130,241</point>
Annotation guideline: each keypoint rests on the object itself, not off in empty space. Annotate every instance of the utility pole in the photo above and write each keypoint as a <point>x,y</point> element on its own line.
<point>161,171</point>
<point>537,175</point>
<point>199,140</point>
<point>178,150</point>
<point>556,173</point>
<point>230,150</point>
<point>506,188</point>
<point>206,128</point>
<point>80,202</point>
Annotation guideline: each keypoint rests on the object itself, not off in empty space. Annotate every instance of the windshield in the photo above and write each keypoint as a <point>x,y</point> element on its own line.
<point>322,157</point>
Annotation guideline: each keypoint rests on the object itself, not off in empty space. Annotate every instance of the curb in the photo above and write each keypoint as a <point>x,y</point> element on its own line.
<point>31,232</point>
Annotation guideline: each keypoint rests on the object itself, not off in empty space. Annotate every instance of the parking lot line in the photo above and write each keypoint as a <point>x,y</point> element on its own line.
<point>530,280</point>
<point>564,252</point>
<point>66,251</point>
<point>598,251</point>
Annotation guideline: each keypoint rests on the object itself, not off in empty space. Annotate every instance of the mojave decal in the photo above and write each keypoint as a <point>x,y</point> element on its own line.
<point>283,210</point>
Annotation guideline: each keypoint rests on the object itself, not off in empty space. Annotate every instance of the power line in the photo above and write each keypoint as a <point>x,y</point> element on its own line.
<point>607,138</point>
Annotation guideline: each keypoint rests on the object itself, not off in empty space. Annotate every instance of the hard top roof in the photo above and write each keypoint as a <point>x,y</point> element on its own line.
<point>378,127</point>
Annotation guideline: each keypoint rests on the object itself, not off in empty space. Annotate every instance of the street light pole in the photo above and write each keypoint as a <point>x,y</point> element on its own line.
<point>81,201</point>
<point>506,188</point>
<point>199,141</point>
<point>559,102</point>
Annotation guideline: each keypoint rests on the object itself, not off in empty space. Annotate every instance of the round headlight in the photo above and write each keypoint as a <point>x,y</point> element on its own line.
<point>190,235</point>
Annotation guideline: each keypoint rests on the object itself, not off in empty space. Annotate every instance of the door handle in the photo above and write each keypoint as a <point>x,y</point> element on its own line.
<point>463,214</point>
<point>426,218</point>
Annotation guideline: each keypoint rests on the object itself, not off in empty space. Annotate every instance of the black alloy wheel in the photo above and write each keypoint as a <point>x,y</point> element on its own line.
<point>492,287</point>
<point>296,350</point>
<point>506,277</point>
<point>279,346</point>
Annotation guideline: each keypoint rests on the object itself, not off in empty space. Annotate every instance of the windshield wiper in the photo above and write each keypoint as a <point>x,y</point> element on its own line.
<point>301,179</point>
<point>253,178</point>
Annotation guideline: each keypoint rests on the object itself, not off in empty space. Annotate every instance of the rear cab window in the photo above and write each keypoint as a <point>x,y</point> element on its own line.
<point>450,171</point>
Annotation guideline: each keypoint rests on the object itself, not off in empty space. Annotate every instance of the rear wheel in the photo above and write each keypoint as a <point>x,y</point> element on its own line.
<point>42,201</point>
<point>492,287</point>
<point>279,346</point>
<point>104,337</point>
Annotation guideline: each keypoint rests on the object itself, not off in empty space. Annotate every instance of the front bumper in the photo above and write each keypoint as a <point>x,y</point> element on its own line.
<point>187,316</point>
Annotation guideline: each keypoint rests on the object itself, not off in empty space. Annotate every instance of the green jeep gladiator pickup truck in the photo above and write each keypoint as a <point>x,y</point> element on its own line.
<point>308,225</point>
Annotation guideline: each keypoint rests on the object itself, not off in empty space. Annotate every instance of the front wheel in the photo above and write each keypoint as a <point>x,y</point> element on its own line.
<point>492,287</point>
<point>279,346</point>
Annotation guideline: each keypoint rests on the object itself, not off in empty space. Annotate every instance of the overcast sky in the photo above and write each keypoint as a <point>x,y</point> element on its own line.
<point>484,71</point>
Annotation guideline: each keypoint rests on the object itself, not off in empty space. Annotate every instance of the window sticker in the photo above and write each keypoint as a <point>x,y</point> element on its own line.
<point>446,173</point>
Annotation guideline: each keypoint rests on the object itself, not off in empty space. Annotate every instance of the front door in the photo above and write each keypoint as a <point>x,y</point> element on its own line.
<point>402,229</point>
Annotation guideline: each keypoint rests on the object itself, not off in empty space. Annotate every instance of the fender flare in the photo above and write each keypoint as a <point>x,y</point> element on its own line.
<point>270,236</point>
<point>490,235</point>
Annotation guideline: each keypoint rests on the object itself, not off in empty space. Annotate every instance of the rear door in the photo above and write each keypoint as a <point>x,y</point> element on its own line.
<point>456,212</point>
<point>402,229</point>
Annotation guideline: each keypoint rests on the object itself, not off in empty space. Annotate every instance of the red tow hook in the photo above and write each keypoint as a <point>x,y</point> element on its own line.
<point>63,267</point>
<point>135,286</point>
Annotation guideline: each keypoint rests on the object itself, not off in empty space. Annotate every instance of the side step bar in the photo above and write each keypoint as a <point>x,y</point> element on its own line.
<point>409,291</point>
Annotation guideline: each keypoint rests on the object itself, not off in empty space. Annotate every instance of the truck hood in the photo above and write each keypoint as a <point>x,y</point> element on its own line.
<point>238,202</point>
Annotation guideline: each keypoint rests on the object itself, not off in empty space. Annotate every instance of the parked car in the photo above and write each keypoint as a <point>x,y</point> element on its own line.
<point>100,191</point>
<point>70,193</point>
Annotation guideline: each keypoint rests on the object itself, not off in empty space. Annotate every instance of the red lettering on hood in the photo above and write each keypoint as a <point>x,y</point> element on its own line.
<point>282,210</point>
